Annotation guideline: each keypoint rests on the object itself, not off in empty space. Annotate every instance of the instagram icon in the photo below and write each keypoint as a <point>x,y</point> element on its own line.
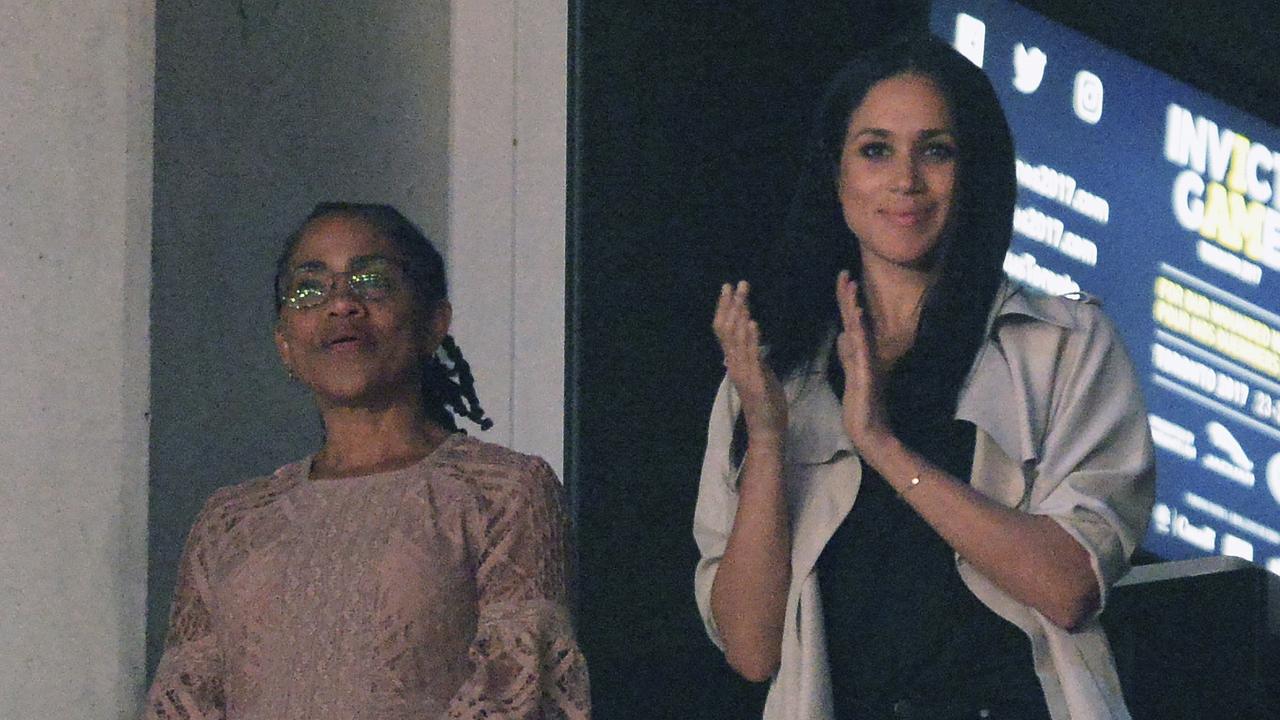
<point>1086,97</point>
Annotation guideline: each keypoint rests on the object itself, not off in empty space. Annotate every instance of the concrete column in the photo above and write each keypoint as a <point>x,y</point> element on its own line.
<point>76,82</point>
<point>507,213</point>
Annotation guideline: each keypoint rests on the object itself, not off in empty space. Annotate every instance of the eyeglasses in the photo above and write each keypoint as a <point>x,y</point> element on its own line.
<point>375,280</point>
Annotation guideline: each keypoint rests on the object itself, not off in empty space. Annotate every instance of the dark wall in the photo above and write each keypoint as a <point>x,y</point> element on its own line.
<point>1224,49</point>
<point>1196,639</point>
<point>686,123</point>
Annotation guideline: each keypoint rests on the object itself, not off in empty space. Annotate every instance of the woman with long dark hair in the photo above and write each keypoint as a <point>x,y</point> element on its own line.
<point>915,497</point>
<point>405,570</point>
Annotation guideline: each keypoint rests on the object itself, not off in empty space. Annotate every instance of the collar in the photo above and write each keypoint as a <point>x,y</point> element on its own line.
<point>1014,299</point>
<point>816,433</point>
<point>1013,419</point>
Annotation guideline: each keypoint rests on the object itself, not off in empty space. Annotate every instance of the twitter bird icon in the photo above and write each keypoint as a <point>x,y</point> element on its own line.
<point>1028,68</point>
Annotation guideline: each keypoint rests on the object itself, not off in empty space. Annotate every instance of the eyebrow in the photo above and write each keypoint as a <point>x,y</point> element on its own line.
<point>359,262</point>
<point>882,133</point>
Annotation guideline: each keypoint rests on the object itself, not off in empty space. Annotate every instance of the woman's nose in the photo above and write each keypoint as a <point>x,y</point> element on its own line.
<point>342,299</point>
<point>907,176</point>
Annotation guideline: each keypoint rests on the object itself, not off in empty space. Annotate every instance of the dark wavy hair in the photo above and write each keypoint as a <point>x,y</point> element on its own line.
<point>796,305</point>
<point>798,311</point>
<point>448,388</point>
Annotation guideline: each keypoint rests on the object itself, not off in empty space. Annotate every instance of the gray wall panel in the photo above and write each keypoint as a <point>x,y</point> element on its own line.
<point>263,109</point>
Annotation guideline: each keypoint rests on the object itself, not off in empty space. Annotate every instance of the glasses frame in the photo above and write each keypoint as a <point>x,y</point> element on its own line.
<point>366,265</point>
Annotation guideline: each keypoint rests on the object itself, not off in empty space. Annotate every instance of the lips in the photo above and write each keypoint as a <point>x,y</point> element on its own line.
<point>908,217</point>
<point>346,340</point>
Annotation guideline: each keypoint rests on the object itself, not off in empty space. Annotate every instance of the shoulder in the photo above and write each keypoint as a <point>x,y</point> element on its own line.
<point>499,474</point>
<point>1060,348</point>
<point>480,459</point>
<point>225,515</point>
<point>231,503</point>
<point>1044,341</point>
<point>1025,316</point>
<point>1019,303</point>
<point>1048,359</point>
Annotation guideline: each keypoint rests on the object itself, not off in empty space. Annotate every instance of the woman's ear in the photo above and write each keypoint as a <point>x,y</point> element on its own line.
<point>282,348</point>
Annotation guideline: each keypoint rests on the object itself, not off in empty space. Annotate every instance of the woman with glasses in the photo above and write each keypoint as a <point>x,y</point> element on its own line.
<point>405,570</point>
<point>914,503</point>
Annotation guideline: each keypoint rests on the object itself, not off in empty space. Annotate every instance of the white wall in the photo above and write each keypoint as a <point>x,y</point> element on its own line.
<point>75,204</point>
<point>507,212</point>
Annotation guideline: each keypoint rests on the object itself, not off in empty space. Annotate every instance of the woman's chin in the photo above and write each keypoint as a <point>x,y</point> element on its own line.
<point>357,393</point>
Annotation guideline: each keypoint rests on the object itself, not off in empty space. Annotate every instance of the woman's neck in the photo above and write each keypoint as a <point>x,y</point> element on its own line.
<point>894,296</point>
<point>363,441</point>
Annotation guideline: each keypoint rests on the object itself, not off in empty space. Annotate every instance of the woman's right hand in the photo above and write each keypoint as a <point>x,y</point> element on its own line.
<point>764,406</point>
<point>749,592</point>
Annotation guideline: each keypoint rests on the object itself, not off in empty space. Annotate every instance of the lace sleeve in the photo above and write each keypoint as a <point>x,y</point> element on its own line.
<point>188,682</point>
<point>526,662</point>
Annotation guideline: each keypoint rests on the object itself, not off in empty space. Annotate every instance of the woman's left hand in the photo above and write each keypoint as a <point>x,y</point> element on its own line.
<point>865,419</point>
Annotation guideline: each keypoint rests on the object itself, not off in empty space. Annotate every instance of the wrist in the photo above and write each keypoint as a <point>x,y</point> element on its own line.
<point>911,484</point>
<point>875,442</point>
<point>765,427</point>
<point>762,466</point>
<point>884,452</point>
<point>902,468</point>
<point>765,442</point>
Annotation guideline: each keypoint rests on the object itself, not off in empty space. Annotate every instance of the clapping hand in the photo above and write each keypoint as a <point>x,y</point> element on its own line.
<point>865,418</point>
<point>764,406</point>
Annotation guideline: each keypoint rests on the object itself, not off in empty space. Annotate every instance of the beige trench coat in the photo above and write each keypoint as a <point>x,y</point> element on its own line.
<point>1061,431</point>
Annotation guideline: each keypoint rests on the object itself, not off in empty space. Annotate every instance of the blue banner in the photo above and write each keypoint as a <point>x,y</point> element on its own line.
<point>1165,203</point>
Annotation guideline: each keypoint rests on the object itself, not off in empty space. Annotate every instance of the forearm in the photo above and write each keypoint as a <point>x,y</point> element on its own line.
<point>1030,557</point>
<point>749,595</point>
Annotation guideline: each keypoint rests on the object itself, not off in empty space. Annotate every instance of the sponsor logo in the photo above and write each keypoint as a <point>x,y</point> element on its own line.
<point>1167,521</point>
<point>1200,536</point>
<point>1086,97</point>
<point>1161,519</point>
<point>1231,462</point>
<point>1171,436</point>
<point>1232,518</point>
<point>1028,68</point>
<point>971,38</point>
<point>1236,547</point>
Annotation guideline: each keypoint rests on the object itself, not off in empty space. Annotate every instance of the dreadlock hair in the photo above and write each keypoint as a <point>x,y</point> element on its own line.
<point>798,310</point>
<point>448,388</point>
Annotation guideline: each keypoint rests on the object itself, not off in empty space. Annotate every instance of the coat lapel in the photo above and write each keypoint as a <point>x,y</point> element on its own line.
<point>1015,426</point>
<point>822,468</point>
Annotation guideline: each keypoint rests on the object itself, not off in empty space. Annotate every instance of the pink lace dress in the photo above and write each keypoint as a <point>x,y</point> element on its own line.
<point>434,591</point>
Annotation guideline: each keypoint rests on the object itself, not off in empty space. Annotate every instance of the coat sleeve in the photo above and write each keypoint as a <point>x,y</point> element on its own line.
<point>717,503</point>
<point>1096,474</point>
<point>525,661</point>
<point>189,679</point>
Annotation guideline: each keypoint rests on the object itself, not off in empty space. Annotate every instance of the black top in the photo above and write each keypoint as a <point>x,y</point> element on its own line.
<point>900,622</point>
